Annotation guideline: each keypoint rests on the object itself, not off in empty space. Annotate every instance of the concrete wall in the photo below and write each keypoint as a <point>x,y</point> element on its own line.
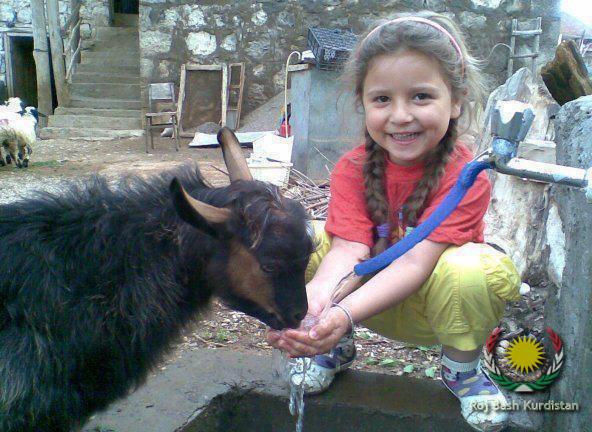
<point>263,33</point>
<point>15,17</point>
<point>569,307</point>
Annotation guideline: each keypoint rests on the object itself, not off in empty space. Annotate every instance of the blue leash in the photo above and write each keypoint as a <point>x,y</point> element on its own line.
<point>463,184</point>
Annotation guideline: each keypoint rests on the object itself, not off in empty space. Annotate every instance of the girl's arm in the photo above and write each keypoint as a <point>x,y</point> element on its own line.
<point>336,264</point>
<point>389,287</point>
<point>396,282</point>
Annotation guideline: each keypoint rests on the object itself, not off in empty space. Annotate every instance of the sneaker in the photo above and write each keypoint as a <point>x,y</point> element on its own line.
<point>320,370</point>
<point>480,399</point>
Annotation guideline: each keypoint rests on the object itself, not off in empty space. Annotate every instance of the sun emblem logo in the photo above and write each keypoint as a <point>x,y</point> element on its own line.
<point>525,354</point>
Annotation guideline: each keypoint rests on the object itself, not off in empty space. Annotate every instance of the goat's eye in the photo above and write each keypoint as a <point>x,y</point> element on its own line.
<point>267,268</point>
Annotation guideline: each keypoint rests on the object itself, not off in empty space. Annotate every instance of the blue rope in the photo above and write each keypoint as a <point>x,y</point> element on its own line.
<point>465,181</point>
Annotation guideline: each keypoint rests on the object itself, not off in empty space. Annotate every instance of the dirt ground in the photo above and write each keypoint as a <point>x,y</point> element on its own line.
<point>55,161</point>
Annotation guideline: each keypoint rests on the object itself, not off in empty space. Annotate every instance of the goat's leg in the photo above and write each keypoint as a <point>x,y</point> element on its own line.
<point>13,150</point>
<point>23,154</point>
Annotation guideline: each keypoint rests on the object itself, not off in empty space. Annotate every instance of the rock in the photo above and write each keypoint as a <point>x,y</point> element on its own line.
<point>517,215</point>
<point>566,76</point>
<point>201,43</point>
<point>155,41</point>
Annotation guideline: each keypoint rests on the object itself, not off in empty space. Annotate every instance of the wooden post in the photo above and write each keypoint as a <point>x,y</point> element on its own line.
<point>57,50</point>
<point>512,47</point>
<point>41,57</point>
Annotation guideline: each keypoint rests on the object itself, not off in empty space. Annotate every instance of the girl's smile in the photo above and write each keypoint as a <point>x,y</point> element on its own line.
<point>408,105</point>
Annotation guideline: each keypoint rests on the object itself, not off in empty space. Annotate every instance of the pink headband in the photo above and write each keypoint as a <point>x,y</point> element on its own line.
<point>436,26</point>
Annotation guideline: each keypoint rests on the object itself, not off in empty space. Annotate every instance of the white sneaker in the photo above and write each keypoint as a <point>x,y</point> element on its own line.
<point>480,399</point>
<point>320,370</point>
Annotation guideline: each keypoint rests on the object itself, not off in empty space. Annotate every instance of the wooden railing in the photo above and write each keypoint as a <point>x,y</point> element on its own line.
<point>73,44</point>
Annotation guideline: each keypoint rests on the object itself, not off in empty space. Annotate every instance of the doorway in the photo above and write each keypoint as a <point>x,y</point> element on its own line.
<point>21,73</point>
<point>126,6</point>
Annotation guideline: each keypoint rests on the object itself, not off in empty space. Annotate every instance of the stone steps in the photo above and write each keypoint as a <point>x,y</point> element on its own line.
<point>114,68</point>
<point>82,102</point>
<point>107,62</point>
<point>112,32</point>
<point>88,133</point>
<point>94,122</point>
<point>105,90</point>
<point>99,77</point>
<point>125,20</point>
<point>120,54</point>
<point>99,112</point>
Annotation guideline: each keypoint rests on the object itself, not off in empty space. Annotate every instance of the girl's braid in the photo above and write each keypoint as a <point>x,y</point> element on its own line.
<point>434,166</point>
<point>375,194</point>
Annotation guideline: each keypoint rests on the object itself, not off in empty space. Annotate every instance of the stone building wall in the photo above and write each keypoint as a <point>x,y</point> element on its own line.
<point>15,17</point>
<point>263,33</point>
<point>95,12</point>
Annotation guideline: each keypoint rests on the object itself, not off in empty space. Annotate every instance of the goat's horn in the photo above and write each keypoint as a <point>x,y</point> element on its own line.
<point>233,156</point>
<point>188,204</point>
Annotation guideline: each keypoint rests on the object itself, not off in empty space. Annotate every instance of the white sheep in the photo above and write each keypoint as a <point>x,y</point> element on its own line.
<point>17,132</point>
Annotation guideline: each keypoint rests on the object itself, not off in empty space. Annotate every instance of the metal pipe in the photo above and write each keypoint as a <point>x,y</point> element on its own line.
<point>544,172</point>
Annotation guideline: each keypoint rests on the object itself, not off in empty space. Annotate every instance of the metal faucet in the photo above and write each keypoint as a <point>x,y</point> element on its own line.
<point>510,122</point>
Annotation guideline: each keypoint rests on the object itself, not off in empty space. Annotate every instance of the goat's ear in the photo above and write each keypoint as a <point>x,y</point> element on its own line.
<point>195,212</point>
<point>233,156</point>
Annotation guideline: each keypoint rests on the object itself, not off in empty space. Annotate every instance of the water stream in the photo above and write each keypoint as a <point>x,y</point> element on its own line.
<point>287,366</point>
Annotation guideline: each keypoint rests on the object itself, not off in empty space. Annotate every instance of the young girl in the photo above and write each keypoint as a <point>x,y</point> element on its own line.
<point>414,78</point>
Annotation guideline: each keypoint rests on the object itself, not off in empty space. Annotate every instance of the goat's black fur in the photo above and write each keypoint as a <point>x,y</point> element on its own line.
<point>99,279</point>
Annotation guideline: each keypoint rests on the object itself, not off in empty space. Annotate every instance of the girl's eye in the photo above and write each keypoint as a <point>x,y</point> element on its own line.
<point>422,96</point>
<point>382,99</point>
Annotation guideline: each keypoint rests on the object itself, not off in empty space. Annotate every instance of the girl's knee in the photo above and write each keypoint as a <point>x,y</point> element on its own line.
<point>322,243</point>
<point>469,287</point>
<point>480,270</point>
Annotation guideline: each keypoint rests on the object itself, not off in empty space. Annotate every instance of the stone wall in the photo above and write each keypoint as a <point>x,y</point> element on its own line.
<point>263,33</point>
<point>95,12</point>
<point>568,306</point>
<point>15,17</point>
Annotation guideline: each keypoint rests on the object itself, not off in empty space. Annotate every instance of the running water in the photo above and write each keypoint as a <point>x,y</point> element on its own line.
<point>288,367</point>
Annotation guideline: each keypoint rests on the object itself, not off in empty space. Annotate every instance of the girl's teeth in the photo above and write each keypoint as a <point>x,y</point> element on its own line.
<point>404,136</point>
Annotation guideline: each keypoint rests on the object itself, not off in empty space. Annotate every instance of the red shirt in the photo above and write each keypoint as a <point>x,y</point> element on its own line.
<point>348,217</point>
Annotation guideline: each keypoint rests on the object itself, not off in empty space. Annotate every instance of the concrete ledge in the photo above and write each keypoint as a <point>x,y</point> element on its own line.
<point>216,390</point>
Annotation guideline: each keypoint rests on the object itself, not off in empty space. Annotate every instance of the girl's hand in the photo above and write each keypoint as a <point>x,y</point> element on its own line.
<point>319,339</point>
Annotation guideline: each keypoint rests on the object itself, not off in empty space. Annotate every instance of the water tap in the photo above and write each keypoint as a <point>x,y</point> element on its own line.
<point>510,122</point>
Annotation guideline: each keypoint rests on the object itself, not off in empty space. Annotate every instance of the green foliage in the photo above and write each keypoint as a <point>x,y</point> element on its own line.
<point>431,371</point>
<point>409,368</point>
<point>49,163</point>
<point>388,362</point>
<point>363,335</point>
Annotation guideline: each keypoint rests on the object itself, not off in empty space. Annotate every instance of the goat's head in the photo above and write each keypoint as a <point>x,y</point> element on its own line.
<point>264,245</point>
<point>32,113</point>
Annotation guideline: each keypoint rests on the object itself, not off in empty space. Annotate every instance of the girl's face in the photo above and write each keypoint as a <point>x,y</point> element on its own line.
<point>408,104</point>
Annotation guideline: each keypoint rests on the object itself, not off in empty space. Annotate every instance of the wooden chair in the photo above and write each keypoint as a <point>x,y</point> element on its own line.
<point>161,95</point>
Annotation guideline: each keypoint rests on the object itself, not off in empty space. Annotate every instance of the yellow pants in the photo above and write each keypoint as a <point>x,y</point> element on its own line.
<point>459,304</point>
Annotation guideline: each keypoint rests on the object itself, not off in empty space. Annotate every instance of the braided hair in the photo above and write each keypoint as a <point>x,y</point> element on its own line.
<point>467,85</point>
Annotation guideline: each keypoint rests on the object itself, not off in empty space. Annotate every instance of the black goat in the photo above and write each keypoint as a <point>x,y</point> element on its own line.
<point>97,281</point>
